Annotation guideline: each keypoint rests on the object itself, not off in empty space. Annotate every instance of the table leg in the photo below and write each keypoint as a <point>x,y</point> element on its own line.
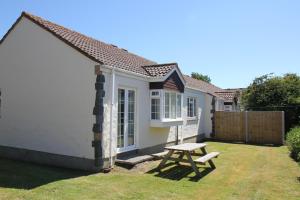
<point>165,159</point>
<point>203,150</point>
<point>193,164</point>
<point>180,157</point>
<point>211,163</point>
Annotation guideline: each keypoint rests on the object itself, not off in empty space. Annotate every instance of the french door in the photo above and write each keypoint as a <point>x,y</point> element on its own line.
<point>126,120</point>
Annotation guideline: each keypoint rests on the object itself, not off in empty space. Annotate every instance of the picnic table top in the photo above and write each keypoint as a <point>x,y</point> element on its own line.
<point>186,146</point>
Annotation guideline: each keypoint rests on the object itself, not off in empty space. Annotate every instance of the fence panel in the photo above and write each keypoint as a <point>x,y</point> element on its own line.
<point>229,126</point>
<point>265,127</point>
<point>261,127</point>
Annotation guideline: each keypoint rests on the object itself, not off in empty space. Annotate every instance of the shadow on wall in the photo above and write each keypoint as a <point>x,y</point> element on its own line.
<point>22,175</point>
<point>159,135</point>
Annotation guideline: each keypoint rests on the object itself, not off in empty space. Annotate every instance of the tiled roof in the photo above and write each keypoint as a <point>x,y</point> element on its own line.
<point>202,85</point>
<point>226,95</point>
<point>159,70</point>
<point>101,52</point>
<point>112,55</point>
<point>229,94</point>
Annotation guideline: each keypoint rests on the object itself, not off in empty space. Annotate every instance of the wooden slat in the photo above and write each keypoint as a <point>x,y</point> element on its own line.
<point>160,154</point>
<point>207,157</point>
<point>186,146</point>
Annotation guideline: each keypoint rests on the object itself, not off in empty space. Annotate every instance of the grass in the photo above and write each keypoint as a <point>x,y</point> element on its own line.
<point>243,172</point>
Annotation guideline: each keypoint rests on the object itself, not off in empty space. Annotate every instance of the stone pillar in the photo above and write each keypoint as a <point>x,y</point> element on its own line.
<point>98,112</point>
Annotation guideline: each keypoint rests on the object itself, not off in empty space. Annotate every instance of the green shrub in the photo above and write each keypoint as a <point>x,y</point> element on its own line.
<point>293,142</point>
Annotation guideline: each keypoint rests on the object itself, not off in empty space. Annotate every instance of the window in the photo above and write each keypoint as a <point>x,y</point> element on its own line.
<point>155,93</point>
<point>191,107</point>
<point>155,108</point>
<point>155,105</point>
<point>172,105</point>
<point>166,108</point>
<point>165,105</point>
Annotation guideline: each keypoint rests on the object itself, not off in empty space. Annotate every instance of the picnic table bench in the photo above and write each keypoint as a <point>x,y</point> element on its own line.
<point>187,149</point>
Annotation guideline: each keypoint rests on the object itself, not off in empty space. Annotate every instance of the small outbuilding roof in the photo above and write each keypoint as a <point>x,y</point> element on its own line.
<point>229,94</point>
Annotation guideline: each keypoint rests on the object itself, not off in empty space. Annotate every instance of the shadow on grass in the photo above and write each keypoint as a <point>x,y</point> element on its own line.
<point>177,172</point>
<point>22,175</point>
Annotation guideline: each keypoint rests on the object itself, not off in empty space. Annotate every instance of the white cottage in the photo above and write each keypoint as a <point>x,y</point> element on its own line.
<point>70,100</point>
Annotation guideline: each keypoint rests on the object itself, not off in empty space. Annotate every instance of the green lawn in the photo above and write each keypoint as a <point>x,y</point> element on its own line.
<point>243,172</point>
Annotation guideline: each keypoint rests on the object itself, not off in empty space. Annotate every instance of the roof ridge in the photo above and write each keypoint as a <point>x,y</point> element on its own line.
<point>163,64</point>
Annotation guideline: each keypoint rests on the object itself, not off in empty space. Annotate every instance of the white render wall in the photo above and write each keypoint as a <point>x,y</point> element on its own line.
<point>48,93</point>
<point>193,127</point>
<point>147,136</point>
<point>48,96</point>
<point>142,107</point>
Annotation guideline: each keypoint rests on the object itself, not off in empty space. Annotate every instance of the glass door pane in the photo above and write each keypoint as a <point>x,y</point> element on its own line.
<point>131,118</point>
<point>121,117</point>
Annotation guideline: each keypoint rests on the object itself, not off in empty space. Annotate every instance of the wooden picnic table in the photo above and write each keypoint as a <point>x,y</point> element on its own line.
<point>187,149</point>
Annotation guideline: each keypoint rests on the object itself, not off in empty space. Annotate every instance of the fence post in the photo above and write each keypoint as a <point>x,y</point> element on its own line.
<point>246,126</point>
<point>283,125</point>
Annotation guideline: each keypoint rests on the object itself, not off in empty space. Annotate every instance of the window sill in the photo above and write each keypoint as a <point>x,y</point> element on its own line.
<point>191,118</point>
<point>166,122</point>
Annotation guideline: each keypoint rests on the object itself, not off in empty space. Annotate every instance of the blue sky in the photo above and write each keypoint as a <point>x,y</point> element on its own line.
<point>231,41</point>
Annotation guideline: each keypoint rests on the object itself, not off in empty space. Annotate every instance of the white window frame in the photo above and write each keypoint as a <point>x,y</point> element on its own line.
<point>161,97</point>
<point>195,110</point>
<point>126,147</point>
<point>158,96</point>
<point>170,107</point>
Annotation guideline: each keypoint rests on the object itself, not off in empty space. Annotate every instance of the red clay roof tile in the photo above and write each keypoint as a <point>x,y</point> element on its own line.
<point>159,70</point>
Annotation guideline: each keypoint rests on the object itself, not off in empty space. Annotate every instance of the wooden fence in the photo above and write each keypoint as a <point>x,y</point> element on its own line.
<point>260,127</point>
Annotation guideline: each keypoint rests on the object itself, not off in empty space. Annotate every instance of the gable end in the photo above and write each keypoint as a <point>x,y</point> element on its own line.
<point>173,82</point>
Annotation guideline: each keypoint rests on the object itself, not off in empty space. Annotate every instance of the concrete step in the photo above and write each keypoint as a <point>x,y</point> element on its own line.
<point>133,160</point>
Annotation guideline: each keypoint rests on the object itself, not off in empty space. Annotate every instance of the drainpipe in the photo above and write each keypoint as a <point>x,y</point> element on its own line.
<point>112,81</point>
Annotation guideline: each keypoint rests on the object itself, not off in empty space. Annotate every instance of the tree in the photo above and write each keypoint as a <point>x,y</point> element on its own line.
<point>270,92</point>
<point>202,77</point>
